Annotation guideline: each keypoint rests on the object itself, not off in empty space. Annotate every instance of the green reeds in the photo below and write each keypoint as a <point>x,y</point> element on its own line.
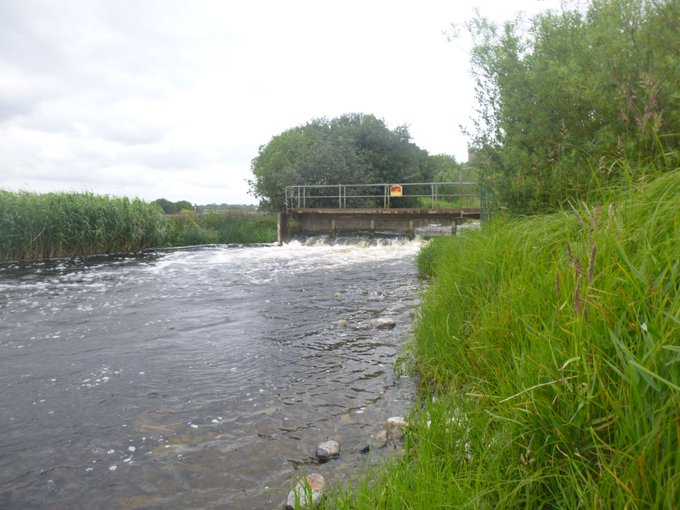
<point>550,353</point>
<point>39,226</point>
<point>53,225</point>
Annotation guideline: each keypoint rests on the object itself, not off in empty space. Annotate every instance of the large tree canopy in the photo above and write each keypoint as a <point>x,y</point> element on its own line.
<point>577,100</point>
<point>353,148</point>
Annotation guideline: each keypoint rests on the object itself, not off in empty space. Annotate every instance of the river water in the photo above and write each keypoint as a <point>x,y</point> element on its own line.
<point>198,378</point>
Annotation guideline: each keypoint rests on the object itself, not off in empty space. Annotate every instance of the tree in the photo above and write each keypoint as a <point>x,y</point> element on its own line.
<point>173,207</point>
<point>563,102</point>
<point>445,168</point>
<point>351,149</point>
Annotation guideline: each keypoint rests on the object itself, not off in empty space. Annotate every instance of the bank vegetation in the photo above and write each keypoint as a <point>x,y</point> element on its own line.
<point>549,350</point>
<point>548,342</point>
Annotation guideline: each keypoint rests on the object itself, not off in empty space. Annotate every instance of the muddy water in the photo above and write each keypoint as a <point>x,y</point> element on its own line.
<point>198,378</point>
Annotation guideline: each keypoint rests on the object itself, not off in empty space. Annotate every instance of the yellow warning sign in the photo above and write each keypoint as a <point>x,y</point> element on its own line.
<point>396,190</point>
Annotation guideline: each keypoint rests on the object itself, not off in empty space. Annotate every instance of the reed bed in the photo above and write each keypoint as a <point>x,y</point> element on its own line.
<point>52,225</point>
<point>549,349</point>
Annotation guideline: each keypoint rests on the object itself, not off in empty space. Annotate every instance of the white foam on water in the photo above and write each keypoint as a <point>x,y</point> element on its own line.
<point>263,264</point>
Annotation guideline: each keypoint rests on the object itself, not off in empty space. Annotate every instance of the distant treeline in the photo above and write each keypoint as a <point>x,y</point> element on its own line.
<point>53,225</point>
<point>169,207</point>
<point>184,206</point>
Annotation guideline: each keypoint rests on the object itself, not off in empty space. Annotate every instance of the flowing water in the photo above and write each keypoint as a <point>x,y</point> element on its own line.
<point>198,378</point>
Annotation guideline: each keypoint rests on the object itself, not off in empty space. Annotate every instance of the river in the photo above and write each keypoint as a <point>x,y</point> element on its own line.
<point>198,378</point>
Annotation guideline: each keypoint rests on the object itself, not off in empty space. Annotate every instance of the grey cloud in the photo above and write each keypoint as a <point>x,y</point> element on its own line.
<point>107,50</point>
<point>10,108</point>
<point>164,158</point>
<point>128,132</point>
<point>26,36</point>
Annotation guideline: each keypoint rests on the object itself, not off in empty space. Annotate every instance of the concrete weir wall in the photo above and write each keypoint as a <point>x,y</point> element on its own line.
<point>334,221</point>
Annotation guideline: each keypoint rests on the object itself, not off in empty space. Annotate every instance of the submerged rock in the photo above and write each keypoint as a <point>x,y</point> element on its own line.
<point>307,491</point>
<point>327,449</point>
<point>383,323</point>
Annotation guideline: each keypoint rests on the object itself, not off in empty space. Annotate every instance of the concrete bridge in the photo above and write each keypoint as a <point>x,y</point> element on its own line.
<point>377,208</point>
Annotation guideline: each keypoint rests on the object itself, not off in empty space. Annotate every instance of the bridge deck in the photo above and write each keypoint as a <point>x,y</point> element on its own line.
<point>371,220</point>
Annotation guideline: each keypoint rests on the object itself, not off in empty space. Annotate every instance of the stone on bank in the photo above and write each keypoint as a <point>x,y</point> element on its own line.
<point>307,492</point>
<point>394,427</point>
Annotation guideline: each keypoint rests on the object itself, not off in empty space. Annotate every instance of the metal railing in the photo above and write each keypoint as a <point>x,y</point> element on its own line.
<point>435,195</point>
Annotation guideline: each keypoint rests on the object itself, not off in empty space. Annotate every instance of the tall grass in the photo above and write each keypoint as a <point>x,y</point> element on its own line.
<point>52,225</point>
<point>550,351</point>
<point>234,227</point>
<point>39,226</point>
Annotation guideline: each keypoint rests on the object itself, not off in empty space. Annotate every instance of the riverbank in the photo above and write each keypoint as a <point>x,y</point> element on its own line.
<point>550,353</point>
<point>37,226</point>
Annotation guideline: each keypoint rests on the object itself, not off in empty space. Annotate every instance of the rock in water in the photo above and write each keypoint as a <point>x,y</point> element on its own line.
<point>307,491</point>
<point>327,449</point>
<point>395,427</point>
<point>383,323</point>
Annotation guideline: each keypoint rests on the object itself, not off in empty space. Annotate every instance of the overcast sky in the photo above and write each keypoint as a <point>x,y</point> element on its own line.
<point>170,98</point>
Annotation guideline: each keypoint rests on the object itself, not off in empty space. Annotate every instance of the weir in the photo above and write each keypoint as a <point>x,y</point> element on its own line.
<point>377,208</point>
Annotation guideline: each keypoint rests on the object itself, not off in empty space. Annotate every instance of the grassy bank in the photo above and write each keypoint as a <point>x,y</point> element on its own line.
<point>52,225</point>
<point>550,352</point>
<point>235,227</point>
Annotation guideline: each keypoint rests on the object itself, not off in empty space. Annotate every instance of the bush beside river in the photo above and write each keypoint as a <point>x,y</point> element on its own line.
<point>232,227</point>
<point>53,225</point>
<point>549,350</point>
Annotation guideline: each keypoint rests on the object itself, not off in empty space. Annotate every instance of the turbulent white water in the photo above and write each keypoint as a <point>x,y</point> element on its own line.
<point>197,378</point>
